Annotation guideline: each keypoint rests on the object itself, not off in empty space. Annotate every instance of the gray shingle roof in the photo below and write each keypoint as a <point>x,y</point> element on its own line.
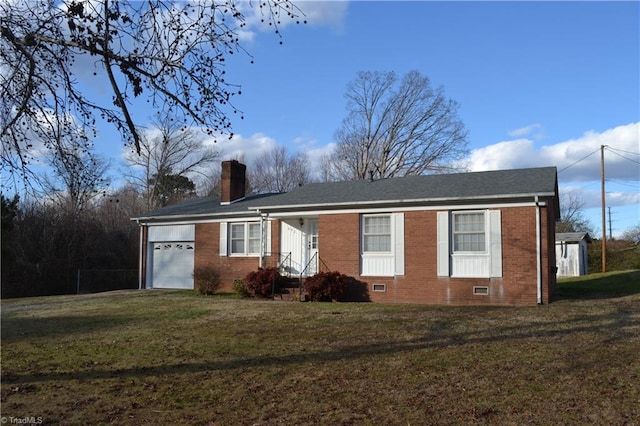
<point>489,185</point>
<point>573,237</point>
<point>493,184</point>
<point>208,206</point>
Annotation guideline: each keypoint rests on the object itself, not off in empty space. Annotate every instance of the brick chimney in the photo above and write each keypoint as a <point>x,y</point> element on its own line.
<point>232,181</point>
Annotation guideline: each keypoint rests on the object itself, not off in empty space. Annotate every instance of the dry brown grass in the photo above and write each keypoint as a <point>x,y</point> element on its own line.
<point>176,358</point>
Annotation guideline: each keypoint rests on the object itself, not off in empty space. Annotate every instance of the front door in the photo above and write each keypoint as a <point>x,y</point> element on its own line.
<point>299,245</point>
<point>312,246</point>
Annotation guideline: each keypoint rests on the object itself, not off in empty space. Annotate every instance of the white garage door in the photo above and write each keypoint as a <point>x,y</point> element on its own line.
<point>172,265</point>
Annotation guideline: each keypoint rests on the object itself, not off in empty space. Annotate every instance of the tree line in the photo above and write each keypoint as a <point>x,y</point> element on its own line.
<point>44,245</point>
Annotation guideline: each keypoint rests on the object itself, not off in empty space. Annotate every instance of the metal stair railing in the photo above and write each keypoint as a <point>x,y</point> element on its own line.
<point>280,261</point>
<point>314,259</point>
<point>285,264</point>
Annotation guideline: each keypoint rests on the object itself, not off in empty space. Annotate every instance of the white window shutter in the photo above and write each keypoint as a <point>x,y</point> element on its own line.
<point>495,243</point>
<point>267,249</point>
<point>223,239</point>
<point>443,244</point>
<point>398,222</point>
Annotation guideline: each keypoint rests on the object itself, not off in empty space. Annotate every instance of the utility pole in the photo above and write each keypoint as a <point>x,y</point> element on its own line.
<point>604,218</point>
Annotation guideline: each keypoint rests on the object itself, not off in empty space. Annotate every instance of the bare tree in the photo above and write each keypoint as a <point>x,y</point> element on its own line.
<point>328,168</point>
<point>171,54</point>
<point>168,153</point>
<point>116,209</point>
<point>77,179</point>
<point>211,188</point>
<point>276,171</point>
<point>572,217</point>
<point>397,128</point>
<point>632,234</point>
<point>77,174</point>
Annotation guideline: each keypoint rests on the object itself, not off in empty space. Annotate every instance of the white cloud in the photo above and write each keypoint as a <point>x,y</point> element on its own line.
<point>524,131</point>
<point>242,148</point>
<point>325,13</point>
<point>513,154</point>
<point>577,160</point>
<point>622,198</point>
<point>316,13</point>
<point>591,195</point>
<point>317,156</point>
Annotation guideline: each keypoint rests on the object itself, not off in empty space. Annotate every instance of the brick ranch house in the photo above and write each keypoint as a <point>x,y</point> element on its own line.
<point>463,239</point>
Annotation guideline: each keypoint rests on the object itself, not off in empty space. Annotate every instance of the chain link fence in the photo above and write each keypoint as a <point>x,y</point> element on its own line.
<point>99,280</point>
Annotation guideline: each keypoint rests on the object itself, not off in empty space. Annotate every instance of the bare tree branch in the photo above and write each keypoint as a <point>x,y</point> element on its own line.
<point>170,54</point>
<point>397,128</point>
<point>572,215</point>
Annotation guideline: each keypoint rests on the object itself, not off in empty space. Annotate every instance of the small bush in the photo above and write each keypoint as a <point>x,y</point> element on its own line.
<point>327,286</point>
<point>207,279</point>
<point>240,288</point>
<point>263,282</point>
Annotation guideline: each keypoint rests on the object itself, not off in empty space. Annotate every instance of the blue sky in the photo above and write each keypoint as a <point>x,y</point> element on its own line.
<point>538,83</point>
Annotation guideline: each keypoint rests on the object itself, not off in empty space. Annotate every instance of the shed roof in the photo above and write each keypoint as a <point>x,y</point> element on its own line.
<point>573,237</point>
<point>429,189</point>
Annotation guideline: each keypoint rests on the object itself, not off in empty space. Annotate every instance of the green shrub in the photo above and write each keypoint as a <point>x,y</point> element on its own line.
<point>327,286</point>
<point>206,279</point>
<point>240,288</point>
<point>264,282</point>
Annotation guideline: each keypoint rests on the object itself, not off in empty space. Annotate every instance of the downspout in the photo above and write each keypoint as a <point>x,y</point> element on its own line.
<point>538,253</point>
<point>262,240</point>
<point>140,255</point>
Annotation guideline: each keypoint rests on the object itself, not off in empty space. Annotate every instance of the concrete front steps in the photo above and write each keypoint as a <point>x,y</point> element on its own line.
<point>291,291</point>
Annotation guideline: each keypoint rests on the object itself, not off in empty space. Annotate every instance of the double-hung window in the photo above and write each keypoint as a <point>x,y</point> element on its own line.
<point>244,238</point>
<point>376,234</point>
<point>469,243</point>
<point>382,244</point>
<point>469,232</point>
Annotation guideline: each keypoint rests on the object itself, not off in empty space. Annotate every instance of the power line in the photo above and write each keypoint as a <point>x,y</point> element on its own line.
<point>622,156</point>
<point>582,159</point>
<point>608,148</point>
<point>620,182</point>
<point>622,150</point>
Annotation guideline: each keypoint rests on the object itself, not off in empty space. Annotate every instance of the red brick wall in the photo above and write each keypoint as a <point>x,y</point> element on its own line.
<point>339,242</point>
<point>339,249</point>
<point>230,267</point>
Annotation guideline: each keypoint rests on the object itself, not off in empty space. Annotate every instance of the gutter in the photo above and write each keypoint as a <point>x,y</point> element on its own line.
<point>191,217</point>
<point>252,211</point>
<point>410,201</point>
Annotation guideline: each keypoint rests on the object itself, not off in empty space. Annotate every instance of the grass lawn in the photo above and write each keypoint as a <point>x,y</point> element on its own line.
<point>153,357</point>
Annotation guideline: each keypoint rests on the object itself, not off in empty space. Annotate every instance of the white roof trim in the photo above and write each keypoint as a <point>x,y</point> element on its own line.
<point>399,201</point>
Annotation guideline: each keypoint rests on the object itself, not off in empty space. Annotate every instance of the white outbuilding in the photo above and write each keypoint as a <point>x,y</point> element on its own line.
<point>572,253</point>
